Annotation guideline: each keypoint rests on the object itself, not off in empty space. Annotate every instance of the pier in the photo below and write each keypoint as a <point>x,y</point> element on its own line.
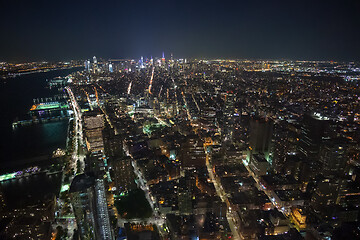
<point>45,110</point>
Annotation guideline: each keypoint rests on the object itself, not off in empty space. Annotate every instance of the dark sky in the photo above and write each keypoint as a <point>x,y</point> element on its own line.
<point>63,30</point>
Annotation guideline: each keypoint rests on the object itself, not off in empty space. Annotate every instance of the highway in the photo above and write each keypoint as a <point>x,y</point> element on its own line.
<point>77,154</point>
<point>68,221</point>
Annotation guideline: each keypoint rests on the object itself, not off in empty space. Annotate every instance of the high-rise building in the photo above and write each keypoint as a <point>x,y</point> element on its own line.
<point>229,121</point>
<point>142,62</point>
<point>111,68</point>
<point>88,199</point>
<point>163,60</point>
<point>192,153</point>
<point>311,137</point>
<point>102,215</point>
<point>94,124</point>
<point>334,157</point>
<point>82,199</point>
<point>258,164</point>
<point>261,130</point>
<point>186,188</point>
<point>123,174</point>
<point>312,131</point>
<point>326,193</point>
<point>86,65</point>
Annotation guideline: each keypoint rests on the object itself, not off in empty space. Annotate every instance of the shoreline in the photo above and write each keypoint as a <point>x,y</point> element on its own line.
<point>15,75</point>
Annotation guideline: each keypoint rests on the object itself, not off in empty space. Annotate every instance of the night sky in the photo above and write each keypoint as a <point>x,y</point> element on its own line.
<point>64,30</point>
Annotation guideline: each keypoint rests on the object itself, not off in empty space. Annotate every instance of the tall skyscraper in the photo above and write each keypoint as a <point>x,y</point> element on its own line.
<point>111,68</point>
<point>333,157</point>
<point>311,137</point>
<point>94,124</point>
<point>163,60</point>
<point>312,131</point>
<point>82,196</point>
<point>95,66</point>
<point>102,215</point>
<point>142,62</point>
<point>261,130</point>
<point>90,207</point>
<point>228,123</point>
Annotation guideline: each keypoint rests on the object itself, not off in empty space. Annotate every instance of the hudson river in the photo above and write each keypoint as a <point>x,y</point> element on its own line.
<point>16,98</point>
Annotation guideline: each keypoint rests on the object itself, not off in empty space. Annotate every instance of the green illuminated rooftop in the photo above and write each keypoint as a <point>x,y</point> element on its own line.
<point>7,176</point>
<point>46,106</point>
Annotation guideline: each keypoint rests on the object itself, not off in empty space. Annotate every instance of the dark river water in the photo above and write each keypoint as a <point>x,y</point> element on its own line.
<point>28,144</point>
<point>16,98</point>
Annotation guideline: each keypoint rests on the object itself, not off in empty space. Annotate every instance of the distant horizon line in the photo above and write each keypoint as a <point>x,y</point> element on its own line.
<point>188,58</point>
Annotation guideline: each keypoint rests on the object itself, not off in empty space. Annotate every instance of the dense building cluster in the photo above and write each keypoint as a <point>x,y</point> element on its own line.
<point>238,149</point>
<point>210,149</point>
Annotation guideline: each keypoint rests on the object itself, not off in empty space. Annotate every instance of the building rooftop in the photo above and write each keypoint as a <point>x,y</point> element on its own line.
<point>82,182</point>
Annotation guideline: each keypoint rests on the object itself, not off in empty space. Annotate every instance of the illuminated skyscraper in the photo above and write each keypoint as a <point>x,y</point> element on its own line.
<point>90,207</point>
<point>141,62</point>
<point>95,66</point>
<point>111,68</point>
<point>312,131</point>
<point>228,126</point>
<point>94,124</point>
<point>82,200</point>
<point>102,214</point>
<point>163,60</point>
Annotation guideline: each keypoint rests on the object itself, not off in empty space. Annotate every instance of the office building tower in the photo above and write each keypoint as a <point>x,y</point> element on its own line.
<point>312,131</point>
<point>111,68</point>
<point>102,216</point>
<point>229,121</point>
<point>142,62</point>
<point>186,188</point>
<point>82,196</point>
<point>94,125</point>
<point>326,193</point>
<point>192,153</point>
<point>333,157</point>
<point>123,174</point>
<point>311,137</point>
<point>261,130</point>
<point>163,60</point>
<point>87,194</point>
<point>86,65</point>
